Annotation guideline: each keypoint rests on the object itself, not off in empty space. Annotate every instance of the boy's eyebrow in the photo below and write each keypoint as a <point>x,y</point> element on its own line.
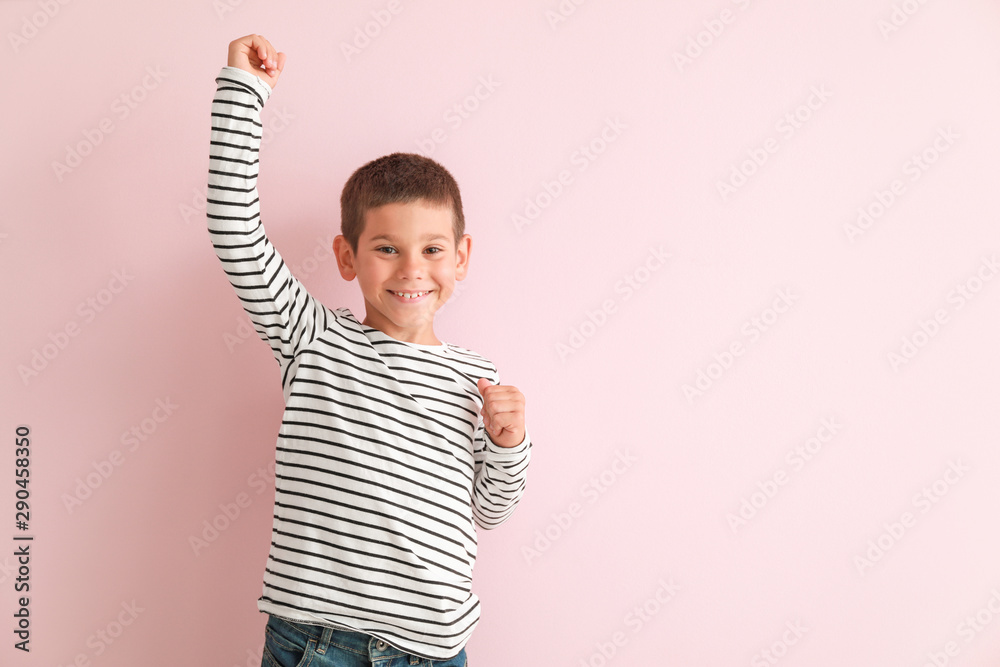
<point>426,237</point>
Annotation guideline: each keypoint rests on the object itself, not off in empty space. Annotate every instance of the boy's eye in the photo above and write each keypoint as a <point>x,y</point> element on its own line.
<point>389,250</point>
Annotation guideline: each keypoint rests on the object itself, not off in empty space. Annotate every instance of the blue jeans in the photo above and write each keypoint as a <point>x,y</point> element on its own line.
<point>293,644</point>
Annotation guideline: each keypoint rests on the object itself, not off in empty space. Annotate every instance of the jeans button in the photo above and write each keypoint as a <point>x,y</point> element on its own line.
<point>381,645</point>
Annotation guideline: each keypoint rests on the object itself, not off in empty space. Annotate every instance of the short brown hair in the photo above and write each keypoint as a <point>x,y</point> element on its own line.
<point>397,178</point>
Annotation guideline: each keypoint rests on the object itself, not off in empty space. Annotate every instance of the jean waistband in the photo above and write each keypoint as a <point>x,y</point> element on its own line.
<point>356,642</point>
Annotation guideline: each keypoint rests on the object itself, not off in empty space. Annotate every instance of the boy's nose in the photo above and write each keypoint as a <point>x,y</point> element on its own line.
<point>411,267</point>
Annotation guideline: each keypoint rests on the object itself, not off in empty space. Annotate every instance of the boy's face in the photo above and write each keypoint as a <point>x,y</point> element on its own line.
<point>406,265</point>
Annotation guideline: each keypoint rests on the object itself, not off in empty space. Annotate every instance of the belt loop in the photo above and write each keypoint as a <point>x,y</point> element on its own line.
<point>324,640</point>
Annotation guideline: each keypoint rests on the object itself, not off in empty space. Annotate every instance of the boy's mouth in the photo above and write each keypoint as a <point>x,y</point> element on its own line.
<point>410,296</point>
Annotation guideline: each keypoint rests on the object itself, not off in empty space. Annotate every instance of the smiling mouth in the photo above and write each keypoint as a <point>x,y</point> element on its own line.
<point>410,295</point>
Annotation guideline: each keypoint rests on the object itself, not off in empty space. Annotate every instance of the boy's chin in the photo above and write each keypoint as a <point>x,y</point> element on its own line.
<point>409,315</point>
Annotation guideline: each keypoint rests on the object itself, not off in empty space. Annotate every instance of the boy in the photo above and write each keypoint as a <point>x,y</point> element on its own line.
<point>393,445</point>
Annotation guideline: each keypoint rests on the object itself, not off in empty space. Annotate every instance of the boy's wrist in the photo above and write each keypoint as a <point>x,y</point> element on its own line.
<point>511,452</point>
<point>262,87</point>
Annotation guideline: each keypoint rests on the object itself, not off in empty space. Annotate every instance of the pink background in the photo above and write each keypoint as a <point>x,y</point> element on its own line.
<point>627,548</point>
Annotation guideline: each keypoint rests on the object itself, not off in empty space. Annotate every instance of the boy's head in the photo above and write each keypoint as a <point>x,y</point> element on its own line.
<point>397,178</point>
<point>403,237</point>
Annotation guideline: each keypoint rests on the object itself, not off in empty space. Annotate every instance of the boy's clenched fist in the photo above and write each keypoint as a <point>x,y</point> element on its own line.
<point>255,54</point>
<point>503,413</point>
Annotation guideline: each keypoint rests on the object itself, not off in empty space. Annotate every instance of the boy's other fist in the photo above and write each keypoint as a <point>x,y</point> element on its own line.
<point>503,413</point>
<point>255,54</point>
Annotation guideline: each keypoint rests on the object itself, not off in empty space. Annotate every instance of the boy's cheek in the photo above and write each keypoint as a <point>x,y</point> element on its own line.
<point>447,291</point>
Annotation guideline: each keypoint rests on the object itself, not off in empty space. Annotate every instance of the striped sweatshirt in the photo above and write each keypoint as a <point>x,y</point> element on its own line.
<point>383,469</point>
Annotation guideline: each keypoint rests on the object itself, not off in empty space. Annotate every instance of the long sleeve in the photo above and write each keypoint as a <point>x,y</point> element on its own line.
<point>500,477</point>
<point>284,314</point>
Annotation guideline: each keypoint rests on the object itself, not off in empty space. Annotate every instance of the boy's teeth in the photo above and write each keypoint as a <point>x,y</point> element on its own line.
<point>407,295</point>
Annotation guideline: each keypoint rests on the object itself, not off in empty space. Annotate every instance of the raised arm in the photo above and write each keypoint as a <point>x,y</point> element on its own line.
<point>284,314</point>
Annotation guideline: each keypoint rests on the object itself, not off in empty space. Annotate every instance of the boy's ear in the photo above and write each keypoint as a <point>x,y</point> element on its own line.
<point>345,257</point>
<point>462,252</point>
